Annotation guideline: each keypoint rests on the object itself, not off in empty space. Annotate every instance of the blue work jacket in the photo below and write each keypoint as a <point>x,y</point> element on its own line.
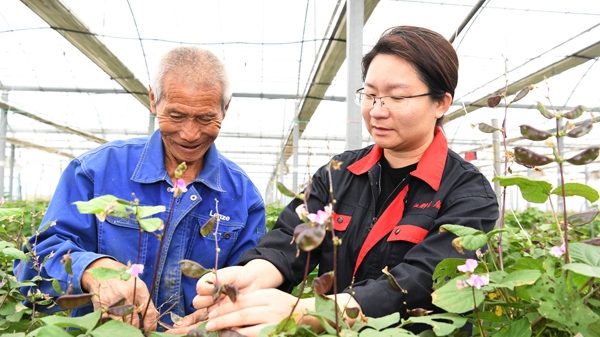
<point>135,168</point>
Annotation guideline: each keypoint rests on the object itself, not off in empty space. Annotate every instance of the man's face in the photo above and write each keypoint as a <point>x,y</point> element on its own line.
<point>189,120</point>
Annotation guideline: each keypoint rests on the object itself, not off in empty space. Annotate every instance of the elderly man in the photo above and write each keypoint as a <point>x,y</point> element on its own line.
<point>189,95</point>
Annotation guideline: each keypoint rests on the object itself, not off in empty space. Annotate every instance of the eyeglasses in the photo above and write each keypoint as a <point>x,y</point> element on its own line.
<point>391,103</point>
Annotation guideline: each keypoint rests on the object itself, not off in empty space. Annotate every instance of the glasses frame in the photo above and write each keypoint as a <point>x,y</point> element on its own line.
<point>358,93</point>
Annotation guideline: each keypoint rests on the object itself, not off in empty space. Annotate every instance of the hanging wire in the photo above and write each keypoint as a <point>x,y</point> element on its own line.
<point>140,40</point>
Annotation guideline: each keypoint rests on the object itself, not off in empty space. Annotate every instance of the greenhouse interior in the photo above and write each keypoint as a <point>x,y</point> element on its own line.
<point>75,75</point>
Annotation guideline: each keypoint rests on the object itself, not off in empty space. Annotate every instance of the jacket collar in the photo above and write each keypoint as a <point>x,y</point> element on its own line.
<point>151,166</point>
<point>429,169</point>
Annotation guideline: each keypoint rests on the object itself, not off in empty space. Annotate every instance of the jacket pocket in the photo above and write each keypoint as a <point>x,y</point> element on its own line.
<point>408,233</point>
<point>225,235</point>
<point>340,221</point>
<point>121,238</point>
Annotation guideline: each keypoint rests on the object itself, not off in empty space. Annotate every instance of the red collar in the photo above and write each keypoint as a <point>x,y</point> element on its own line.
<point>430,166</point>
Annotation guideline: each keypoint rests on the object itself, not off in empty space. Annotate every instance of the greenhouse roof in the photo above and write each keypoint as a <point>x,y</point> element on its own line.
<point>74,74</point>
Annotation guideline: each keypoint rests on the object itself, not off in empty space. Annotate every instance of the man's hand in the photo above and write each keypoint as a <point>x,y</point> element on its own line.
<point>189,322</point>
<point>109,291</point>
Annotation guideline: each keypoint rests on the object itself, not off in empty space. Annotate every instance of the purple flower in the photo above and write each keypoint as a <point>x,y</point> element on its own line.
<point>468,267</point>
<point>179,188</point>
<point>135,269</point>
<point>478,281</point>
<point>558,251</point>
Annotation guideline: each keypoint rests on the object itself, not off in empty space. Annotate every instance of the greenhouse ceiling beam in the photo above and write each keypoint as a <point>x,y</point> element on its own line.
<point>67,24</point>
<point>586,54</point>
<point>123,91</point>
<point>23,143</point>
<point>65,128</point>
<point>236,94</point>
<point>326,67</point>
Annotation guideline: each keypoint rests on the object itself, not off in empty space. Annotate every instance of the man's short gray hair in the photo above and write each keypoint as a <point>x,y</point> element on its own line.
<point>196,67</point>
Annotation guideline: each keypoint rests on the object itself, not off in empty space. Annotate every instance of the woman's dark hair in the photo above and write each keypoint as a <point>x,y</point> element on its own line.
<point>430,53</point>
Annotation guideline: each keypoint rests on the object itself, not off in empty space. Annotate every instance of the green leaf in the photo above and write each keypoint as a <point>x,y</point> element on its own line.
<point>452,299</point>
<point>585,253</point>
<point>519,278</point>
<point>8,212</point>
<point>473,242</point>
<point>577,189</point>
<point>460,230</point>
<point>151,224</point>
<point>96,205</point>
<point>285,191</point>
<point>146,211</point>
<point>50,331</point>
<point>446,269</point>
<point>103,273</point>
<point>439,322</point>
<point>536,191</point>
<point>583,269</point>
<point>528,263</point>
<point>325,312</point>
<point>383,322</point>
<point>16,334</point>
<point>85,323</point>
<point>13,254</point>
<point>56,287</point>
<point>518,328</point>
<point>116,328</point>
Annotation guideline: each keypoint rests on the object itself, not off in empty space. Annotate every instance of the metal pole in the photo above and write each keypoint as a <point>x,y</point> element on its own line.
<point>3,124</point>
<point>12,172</point>
<point>295,156</point>
<point>354,41</point>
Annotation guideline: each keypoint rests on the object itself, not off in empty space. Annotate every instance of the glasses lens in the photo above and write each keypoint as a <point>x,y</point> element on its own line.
<point>394,103</point>
<point>363,100</point>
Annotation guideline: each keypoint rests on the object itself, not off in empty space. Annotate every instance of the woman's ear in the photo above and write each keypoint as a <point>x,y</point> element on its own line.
<point>443,105</point>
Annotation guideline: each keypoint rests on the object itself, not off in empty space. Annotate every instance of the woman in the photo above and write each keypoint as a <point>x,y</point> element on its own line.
<point>390,200</point>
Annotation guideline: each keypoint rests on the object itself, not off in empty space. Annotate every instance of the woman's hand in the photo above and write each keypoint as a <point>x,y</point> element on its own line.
<point>254,310</point>
<point>257,274</point>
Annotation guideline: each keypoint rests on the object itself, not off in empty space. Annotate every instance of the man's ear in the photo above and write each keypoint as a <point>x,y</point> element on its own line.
<point>152,100</point>
<point>226,107</point>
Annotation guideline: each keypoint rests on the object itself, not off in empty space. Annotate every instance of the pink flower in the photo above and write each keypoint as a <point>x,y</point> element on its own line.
<point>558,251</point>
<point>135,269</point>
<point>478,281</point>
<point>461,284</point>
<point>179,188</point>
<point>319,218</point>
<point>468,267</point>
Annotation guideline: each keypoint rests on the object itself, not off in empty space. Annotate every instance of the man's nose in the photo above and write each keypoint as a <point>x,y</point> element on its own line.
<point>190,131</point>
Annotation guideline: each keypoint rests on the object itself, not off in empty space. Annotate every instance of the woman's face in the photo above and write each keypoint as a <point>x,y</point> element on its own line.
<point>409,129</point>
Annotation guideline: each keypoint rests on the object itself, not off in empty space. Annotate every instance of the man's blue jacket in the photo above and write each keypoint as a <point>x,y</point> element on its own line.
<point>135,168</point>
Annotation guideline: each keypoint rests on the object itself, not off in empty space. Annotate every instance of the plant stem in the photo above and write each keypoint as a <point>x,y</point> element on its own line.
<point>476,312</point>
<point>301,291</point>
<point>160,247</point>
<point>135,279</point>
